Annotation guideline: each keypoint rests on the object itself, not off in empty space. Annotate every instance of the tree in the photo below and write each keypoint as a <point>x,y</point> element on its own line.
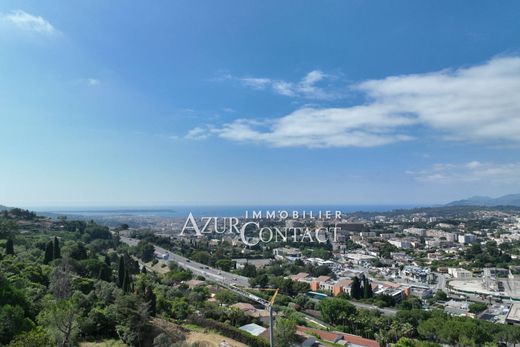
<point>407,342</point>
<point>127,282</point>
<point>56,254</point>
<point>201,257</point>
<point>131,315</point>
<point>9,247</point>
<point>355,288</point>
<point>410,303</point>
<point>477,307</point>
<point>12,322</point>
<point>224,264</point>
<point>440,296</point>
<point>34,338</point>
<point>285,332</point>
<point>121,272</point>
<point>61,280</point>
<point>337,311</point>
<point>151,300</point>
<point>146,251</point>
<point>60,319</point>
<point>49,253</point>
<point>367,289</point>
<point>225,296</point>
<point>249,270</point>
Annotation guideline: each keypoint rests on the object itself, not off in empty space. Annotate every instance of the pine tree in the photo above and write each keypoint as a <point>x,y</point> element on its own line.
<point>56,253</point>
<point>9,247</point>
<point>121,272</point>
<point>355,288</point>
<point>49,253</point>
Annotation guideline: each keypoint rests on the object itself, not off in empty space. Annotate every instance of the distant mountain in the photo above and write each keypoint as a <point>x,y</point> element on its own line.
<point>2,207</point>
<point>506,200</point>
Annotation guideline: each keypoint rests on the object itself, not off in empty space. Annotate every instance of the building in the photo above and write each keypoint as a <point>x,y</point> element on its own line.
<point>253,329</point>
<point>459,273</point>
<point>342,286</point>
<point>467,238</point>
<point>513,317</point>
<point>319,283</point>
<point>495,272</point>
<point>288,253</point>
<point>415,231</point>
<point>404,244</point>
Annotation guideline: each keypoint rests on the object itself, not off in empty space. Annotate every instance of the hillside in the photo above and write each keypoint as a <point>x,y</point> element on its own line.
<point>506,200</point>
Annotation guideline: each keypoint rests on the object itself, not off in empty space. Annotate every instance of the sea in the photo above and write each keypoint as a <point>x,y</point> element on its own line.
<point>214,211</point>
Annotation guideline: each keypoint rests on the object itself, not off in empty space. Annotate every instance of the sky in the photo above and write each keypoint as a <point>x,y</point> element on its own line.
<point>148,103</point>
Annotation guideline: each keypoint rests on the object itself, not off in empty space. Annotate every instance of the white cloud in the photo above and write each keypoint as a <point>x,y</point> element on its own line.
<point>257,83</point>
<point>479,103</point>
<point>471,172</point>
<point>306,88</point>
<point>310,127</point>
<point>28,22</point>
<point>197,133</point>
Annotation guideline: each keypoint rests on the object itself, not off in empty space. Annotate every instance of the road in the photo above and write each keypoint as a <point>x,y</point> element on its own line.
<point>196,268</point>
<point>441,282</point>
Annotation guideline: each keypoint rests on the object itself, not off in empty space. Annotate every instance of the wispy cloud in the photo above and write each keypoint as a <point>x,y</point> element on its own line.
<point>479,103</point>
<point>197,133</point>
<point>474,171</point>
<point>28,22</point>
<point>308,87</point>
<point>93,82</point>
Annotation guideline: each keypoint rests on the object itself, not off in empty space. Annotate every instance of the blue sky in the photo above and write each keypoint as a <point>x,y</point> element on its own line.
<point>258,102</point>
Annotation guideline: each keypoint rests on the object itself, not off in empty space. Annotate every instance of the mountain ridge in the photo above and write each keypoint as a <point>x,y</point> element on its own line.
<point>505,200</point>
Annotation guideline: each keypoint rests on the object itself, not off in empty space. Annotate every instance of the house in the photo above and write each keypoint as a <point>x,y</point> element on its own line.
<point>253,312</point>
<point>342,286</point>
<point>299,277</point>
<point>316,283</point>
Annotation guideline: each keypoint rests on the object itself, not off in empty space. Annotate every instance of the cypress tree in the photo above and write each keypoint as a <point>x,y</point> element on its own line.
<point>121,272</point>
<point>49,253</point>
<point>56,249</point>
<point>367,289</point>
<point>127,282</point>
<point>9,247</point>
<point>355,288</point>
<point>151,299</point>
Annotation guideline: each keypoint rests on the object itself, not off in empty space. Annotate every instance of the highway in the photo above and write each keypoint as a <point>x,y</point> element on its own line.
<point>196,268</point>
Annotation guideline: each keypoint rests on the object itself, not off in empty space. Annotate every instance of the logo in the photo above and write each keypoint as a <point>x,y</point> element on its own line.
<point>251,232</point>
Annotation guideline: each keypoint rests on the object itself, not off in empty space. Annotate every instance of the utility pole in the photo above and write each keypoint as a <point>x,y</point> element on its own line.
<point>267,304</point>
<point>271,327</point>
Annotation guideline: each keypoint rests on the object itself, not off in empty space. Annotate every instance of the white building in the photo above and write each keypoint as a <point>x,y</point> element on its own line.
<point>404,244</point>
<point>459,273</point>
